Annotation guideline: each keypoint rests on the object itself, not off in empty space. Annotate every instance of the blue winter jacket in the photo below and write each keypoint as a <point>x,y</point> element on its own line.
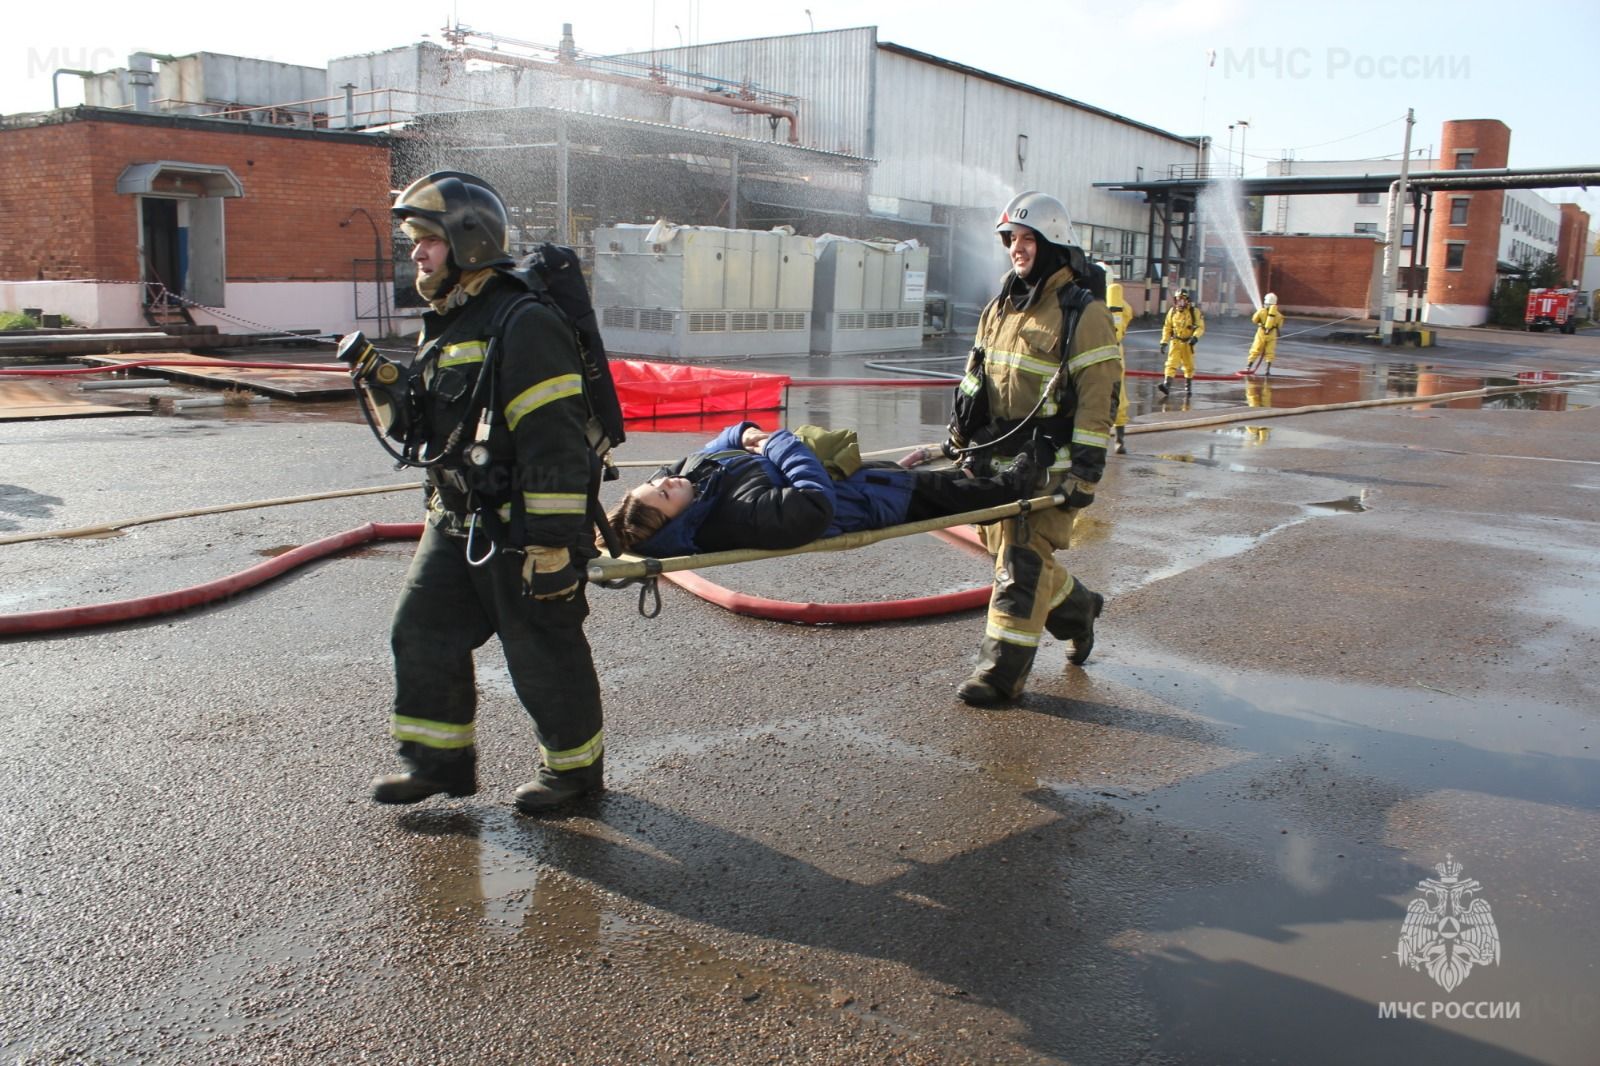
<point>782,498</point>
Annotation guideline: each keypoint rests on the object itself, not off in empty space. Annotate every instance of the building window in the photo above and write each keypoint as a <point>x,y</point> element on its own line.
<point>1366,197</point>
<point>1464,159</point>
<point>1455,255</point>
<point>1408,237</point>
<point>1366,227</point>
<point>1458,210</point>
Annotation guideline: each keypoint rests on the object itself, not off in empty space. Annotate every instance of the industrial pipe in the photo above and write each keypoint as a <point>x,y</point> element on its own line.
<point>573,70</point>
<point>191,364</point>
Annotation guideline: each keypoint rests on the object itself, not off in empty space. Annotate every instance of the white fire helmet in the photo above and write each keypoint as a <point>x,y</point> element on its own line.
<point>1270,299</point>
<point>1043,214</point>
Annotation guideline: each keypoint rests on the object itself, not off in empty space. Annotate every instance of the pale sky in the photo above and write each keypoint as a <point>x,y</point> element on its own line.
<point>1318,81</point>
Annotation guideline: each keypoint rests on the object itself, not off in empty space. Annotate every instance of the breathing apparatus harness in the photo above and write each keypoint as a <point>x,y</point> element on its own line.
<point>971,423</point>
<point>394,399</point>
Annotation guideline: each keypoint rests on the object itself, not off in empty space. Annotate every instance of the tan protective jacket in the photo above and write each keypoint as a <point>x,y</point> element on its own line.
<point>1022,353</point>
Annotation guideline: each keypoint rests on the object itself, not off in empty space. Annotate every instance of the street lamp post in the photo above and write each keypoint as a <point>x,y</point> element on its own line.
<point>377,262</point>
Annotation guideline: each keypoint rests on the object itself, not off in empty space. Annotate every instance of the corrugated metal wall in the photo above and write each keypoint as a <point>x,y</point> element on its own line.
<point>950,137</point>
<point>830,73</point>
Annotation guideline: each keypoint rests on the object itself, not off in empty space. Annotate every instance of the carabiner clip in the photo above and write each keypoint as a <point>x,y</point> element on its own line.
<point>472,532</point>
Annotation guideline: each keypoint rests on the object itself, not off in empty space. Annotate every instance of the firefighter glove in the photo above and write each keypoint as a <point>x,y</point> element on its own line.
<point>1079,493</point>
<point>548,574</point>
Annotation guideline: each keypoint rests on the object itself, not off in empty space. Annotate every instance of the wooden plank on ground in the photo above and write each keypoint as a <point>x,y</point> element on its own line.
<point>22,401</point>
<point>286,384</point>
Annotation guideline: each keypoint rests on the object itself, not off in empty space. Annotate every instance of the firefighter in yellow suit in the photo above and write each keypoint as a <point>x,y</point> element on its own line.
<point>1184,325</point>
<point>1061,405</point>
<point>1269,322</point>
<point>1121,316</point>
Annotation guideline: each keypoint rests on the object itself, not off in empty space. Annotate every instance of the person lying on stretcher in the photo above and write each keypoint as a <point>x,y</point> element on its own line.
<point>751,488</point>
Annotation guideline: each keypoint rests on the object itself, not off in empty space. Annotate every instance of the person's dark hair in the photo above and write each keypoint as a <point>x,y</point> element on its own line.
<point>635,521</point>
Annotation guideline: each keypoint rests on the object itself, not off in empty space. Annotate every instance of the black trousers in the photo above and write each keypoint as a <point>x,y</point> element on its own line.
<point>939,493</point>
<point>448,610</point>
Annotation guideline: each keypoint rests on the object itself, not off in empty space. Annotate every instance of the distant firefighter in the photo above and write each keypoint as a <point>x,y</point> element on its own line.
<point>1184,326</point>
<point>1269,322</point>
<point>1121,317</point>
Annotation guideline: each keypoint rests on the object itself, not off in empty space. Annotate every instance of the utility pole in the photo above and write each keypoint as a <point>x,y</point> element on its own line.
<point>1391,248</point>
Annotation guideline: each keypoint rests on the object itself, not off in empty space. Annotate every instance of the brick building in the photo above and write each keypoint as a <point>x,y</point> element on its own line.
<point>1470,238</point>
<point>1572,247</point>
<point>1336,274</point>
<point>251,225</point>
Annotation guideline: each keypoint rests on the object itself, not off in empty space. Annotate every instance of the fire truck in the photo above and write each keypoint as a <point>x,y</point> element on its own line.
<point>1555,308</point>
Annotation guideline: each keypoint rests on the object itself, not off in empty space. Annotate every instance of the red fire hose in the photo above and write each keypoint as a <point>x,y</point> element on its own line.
<point>33,623</point>
<point>100,614</point>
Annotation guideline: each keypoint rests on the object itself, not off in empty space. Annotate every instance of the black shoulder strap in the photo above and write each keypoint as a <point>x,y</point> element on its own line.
<point>1075,299</point>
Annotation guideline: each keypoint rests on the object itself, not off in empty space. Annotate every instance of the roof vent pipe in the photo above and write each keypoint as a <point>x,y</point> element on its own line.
<point>55,86</point>
<point>569,47</point>
<point>142,78</point>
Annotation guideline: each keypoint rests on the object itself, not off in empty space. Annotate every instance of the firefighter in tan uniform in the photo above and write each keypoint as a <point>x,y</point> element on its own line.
<point>1052,409</point>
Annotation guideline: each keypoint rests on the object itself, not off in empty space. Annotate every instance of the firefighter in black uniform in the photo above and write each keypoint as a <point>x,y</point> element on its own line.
<point>508,526</point>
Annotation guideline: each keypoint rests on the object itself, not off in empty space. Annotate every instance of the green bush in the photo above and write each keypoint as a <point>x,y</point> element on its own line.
<point>18,320</point>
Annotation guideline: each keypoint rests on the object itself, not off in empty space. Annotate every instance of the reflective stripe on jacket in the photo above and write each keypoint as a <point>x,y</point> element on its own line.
<point>1023,350</point>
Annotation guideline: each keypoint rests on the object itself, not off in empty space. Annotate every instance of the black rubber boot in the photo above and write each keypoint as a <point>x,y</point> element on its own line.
<point>1122,441</point>
<point>1074,619</point>
<point>551,789</point>
<point>1001,672</point>
<point>428,773</point>
<point>1163,386</point>
<point>1188,385</point>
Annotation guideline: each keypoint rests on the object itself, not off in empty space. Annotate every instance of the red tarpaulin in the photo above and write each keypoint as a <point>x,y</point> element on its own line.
<point>657,390</point>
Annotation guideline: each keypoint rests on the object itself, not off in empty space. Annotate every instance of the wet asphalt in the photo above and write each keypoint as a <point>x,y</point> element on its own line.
<point>1337,648</point>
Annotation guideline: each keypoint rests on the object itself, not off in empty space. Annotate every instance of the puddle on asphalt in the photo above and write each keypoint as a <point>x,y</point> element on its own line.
<point>1346,505</point>
<point>1345,797</point>
<point>1194,553</point>
<point>491,877</point>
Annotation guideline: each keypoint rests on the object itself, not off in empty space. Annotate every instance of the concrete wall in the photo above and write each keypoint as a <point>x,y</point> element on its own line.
<point>325,306</point>
<point>1530,225</point>
<point>87,303</point>
<point>1335,212</point>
